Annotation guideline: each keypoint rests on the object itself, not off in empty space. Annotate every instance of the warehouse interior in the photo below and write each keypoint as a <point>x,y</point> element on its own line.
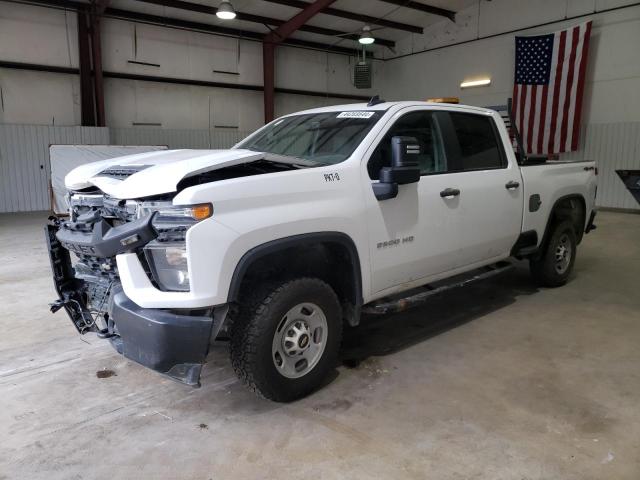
<point>500,379</point>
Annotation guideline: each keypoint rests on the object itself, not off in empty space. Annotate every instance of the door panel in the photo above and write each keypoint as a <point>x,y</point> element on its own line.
<point>488,216</point>
<point>420,233</point>
<point>490,213</point>
<point>410,236</point>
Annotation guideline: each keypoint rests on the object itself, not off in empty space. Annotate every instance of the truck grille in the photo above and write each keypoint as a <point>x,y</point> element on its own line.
<point>99,275</point>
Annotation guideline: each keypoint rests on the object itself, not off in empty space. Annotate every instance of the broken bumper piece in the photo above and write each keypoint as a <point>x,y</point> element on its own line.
<point>174,343</point>
<point>170,343</point>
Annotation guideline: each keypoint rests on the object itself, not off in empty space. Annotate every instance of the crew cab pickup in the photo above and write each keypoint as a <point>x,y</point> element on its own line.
<point>321,215</point>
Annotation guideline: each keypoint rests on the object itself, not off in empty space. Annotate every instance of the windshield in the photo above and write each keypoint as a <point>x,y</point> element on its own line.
<point>319,138</point>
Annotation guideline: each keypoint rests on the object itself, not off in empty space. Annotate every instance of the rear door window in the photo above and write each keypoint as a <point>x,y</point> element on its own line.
<point>477,140</point>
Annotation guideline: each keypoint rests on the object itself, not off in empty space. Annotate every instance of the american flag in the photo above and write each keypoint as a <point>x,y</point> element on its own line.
<point>547,95</point>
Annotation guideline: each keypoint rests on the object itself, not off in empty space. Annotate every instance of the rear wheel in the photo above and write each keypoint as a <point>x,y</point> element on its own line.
<point>286,338</point>
<point>553,267</point>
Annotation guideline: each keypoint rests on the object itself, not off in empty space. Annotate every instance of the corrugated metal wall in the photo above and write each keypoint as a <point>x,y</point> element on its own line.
<point>25,176</point>
<point>24,154</point>
<point>24,161</point>
<point>614,146</point>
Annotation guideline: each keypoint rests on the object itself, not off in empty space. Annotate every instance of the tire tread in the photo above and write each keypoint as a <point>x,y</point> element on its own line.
<point>542,268</point>
<point>250,327</point>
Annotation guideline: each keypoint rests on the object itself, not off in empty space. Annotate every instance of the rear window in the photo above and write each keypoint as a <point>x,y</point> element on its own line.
<point>479,149</point>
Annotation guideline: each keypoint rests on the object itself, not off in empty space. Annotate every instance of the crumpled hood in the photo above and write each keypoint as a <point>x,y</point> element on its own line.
<point>153,173</point>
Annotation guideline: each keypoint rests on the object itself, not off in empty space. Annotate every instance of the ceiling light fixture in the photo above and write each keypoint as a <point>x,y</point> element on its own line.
<point>365,37</point>
<point>226,11</point>
<point>476,83</point>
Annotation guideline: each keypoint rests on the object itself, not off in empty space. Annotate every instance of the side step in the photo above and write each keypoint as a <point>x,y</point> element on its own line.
<point>405,300</point>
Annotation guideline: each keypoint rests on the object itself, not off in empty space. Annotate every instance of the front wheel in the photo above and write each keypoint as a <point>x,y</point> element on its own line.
<point>553,267</point>
<point>286,338</point>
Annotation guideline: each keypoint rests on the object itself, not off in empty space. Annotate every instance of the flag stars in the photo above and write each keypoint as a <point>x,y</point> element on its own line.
<point>533,59</point>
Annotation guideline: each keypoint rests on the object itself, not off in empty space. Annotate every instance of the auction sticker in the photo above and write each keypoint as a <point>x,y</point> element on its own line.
<point>355,114</point>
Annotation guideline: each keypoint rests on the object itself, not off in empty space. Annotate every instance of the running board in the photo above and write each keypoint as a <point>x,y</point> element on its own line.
<point>405,300</point>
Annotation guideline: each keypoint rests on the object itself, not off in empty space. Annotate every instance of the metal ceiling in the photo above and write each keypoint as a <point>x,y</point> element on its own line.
<point>395,18</point>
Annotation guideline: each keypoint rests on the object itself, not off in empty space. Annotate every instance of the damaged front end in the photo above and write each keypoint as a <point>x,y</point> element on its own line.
<point>83,254</point>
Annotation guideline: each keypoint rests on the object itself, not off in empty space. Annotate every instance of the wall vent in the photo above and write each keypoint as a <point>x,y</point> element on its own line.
<point>362,75</point>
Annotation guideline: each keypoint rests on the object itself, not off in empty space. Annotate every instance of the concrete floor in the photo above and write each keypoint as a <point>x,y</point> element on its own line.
<point>497,380</point>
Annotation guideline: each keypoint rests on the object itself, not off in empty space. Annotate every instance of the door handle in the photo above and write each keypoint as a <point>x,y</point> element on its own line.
<point>512,185</point>
<point>449,192</point>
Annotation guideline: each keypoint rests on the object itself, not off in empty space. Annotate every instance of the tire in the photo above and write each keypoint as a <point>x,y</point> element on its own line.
<point>285,338</point>
<point>553,267</point>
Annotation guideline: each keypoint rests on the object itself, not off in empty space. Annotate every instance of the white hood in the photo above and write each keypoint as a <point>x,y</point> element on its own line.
<point>154,173</point>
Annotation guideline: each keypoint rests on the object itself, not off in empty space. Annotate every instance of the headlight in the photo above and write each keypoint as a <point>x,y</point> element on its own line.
<point>169,215</point>
<point>168,262</point>
<point>167,255</point>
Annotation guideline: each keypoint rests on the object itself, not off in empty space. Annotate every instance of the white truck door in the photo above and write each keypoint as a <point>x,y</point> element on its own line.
<point>415,235</point>
<point>465,211</point>
<point>490,199</point>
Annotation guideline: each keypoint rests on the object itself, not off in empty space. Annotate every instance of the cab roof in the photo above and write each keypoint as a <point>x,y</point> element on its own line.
<point>383,106</point>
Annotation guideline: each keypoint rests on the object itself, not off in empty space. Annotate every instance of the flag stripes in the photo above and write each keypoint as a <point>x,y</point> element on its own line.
<point>548,89</point>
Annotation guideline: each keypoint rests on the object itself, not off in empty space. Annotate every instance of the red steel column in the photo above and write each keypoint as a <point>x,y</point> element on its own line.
<point>268,69</point>
<point>96,50</point>
<point>87,111</point>
<point>268,50</point>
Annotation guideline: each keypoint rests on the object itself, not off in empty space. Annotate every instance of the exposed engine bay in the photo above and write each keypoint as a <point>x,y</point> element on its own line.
<point>85,245</point>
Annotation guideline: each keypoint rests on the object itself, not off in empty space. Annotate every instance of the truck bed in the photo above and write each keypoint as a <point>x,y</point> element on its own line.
<point>547,183</point>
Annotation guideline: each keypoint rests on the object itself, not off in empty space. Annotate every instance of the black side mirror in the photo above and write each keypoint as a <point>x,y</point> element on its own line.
<point>404,168</point>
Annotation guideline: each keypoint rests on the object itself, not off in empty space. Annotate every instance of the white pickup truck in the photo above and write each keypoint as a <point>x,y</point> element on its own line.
<point>318,216</point>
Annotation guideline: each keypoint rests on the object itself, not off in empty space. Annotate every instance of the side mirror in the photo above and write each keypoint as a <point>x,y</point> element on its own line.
<point>404,168</point>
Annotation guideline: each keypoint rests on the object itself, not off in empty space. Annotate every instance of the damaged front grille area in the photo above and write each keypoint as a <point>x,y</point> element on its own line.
<point>98,275</point>
<point>115,210</point>
<point>99,228</point>
<point>119,210</point>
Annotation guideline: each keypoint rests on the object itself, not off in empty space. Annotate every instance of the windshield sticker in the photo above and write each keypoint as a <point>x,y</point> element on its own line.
<point>355,114</point>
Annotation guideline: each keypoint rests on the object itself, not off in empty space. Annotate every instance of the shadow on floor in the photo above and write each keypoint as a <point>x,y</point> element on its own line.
<point>387,334</point>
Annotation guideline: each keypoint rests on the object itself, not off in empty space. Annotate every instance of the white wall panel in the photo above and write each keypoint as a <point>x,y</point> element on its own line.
<point>39,98</point>
<point>24,161</point>
<point>128,102</point>
<point>614,146</point>
<point>175,138</point>
<point>37,35</point>
<point>613,75</point>
<point>31,34</point>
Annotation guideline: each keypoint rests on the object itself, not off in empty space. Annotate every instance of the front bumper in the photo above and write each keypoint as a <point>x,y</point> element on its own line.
<point>172,342</point>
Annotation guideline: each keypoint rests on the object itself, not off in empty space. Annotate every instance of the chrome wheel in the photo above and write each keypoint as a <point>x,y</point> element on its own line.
<point>299,340</point>
<point>563,254</point>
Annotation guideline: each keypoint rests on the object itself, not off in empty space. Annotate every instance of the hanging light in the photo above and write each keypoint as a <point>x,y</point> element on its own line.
<point>226,11</point>
<point>365,37</point>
